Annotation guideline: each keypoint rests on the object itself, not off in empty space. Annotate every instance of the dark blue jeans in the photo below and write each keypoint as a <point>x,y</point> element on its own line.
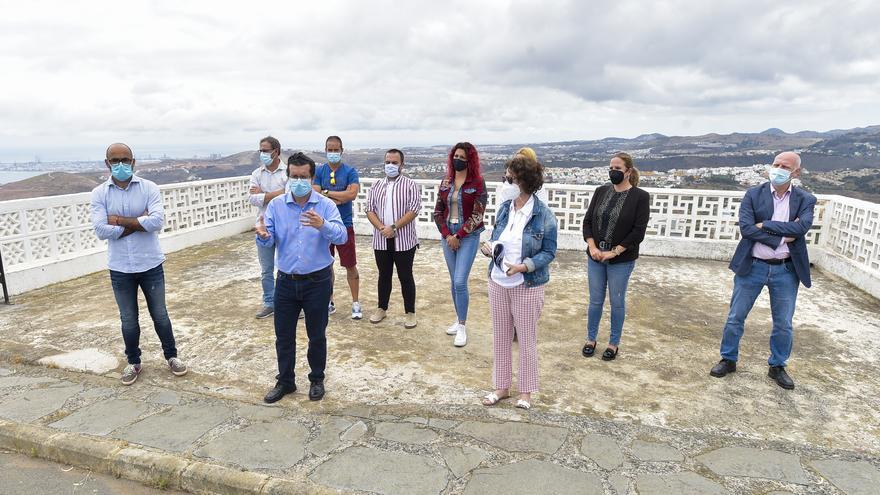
<point>310,294</point>
<point>782,283</point>
<point>152,284</point>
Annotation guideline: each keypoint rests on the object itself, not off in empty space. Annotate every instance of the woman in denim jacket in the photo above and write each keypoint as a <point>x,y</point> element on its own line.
<point>522,245</point>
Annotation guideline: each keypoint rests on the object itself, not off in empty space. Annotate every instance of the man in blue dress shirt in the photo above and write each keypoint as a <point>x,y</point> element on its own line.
<point>127,212</point>
<point>301,224</point>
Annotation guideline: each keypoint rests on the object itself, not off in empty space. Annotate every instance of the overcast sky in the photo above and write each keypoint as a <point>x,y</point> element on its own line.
<point>187,77</point>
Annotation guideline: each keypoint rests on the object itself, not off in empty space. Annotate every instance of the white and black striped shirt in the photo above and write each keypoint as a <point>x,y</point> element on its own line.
<point>406,196</point>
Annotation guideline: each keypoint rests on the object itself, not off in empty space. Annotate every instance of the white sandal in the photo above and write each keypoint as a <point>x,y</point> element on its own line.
<point>523,404</point>
<point>492,399</point>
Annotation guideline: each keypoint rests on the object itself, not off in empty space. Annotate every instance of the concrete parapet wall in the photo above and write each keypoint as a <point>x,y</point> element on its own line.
<point>48,240</point>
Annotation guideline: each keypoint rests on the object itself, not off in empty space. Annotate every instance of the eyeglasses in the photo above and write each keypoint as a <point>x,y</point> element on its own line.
<point>116,161</point>
<point>498,255</point>
<point>332,178</point>
<point>508,179</point>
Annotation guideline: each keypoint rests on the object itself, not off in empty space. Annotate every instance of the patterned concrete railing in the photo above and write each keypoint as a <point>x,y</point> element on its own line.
<point>677,214</point>
<point>50,239</point>
<point>38,232</point>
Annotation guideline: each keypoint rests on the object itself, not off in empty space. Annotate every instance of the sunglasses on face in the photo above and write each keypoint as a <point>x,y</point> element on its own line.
<point>116,161</point>
<point>498,255</point>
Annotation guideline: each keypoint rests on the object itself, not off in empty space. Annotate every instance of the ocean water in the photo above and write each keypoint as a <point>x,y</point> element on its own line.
<point>12,176</point>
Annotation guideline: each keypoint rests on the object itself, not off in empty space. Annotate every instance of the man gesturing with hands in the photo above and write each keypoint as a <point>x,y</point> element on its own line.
<point>301,224</point>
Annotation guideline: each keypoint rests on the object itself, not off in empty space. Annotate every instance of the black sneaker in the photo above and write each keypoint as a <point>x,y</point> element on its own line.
<point>781,377</point>
<point>723,367</point>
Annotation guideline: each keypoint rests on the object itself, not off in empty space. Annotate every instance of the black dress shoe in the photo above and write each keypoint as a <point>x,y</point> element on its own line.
<point>609,354</point>
<point>316,391</point>
<point>278,392</point>
<point>782,379</point>
<point>723,367</point>
<point>589,350</point>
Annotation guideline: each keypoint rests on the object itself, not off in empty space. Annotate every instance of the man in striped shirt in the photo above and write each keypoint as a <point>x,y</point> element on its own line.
<point>393,203</point>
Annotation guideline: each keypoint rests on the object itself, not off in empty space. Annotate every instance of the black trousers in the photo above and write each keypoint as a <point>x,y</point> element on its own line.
<point>310,294</point>
<point>403,260</point>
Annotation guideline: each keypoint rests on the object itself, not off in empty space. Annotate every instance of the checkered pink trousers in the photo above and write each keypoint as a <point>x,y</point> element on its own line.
<point>520,307</point>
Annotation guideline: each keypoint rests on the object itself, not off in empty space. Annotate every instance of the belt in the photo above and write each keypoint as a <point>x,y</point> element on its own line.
<point>605,246</point>
<point>304,276</point>
<point>773,262</point>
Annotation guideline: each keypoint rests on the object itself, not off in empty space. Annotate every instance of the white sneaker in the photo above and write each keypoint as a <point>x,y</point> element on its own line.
<point>453,329</point>
<point>356,312</point>
<point>460,337</point>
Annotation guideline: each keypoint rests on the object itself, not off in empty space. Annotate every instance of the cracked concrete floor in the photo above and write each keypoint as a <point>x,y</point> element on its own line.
<point>676,310</point>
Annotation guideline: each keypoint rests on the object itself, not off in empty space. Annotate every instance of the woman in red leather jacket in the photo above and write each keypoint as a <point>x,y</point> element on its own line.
<point>461,203</point>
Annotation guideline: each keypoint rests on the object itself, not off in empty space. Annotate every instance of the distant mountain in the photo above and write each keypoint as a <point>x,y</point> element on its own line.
<point>837,149</point>
<point>48,184</point>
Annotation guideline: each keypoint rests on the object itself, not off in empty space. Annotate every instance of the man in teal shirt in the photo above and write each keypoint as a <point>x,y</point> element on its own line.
<point>340,182</point>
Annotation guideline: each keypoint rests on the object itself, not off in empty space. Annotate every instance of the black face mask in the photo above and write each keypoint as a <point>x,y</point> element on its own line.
<point>459,164</point>
<point>616,176</point>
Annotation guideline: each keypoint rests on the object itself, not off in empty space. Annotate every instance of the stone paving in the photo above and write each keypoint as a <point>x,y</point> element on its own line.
<point>411,450</point>
<point>675,312</point>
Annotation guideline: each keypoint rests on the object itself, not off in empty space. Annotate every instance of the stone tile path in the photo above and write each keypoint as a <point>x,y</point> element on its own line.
<point>408,450</point>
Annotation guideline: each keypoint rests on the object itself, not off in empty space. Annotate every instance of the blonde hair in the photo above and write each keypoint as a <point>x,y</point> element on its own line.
<point>527,152</point>
<point>628,162</point>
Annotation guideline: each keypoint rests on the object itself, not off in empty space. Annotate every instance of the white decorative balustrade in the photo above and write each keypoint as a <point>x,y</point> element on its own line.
<point>49,239</point>
<point>697,218</point>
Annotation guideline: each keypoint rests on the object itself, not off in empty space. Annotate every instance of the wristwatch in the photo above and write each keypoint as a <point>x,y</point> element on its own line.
<point>394,228</point>
<point>325,192</point>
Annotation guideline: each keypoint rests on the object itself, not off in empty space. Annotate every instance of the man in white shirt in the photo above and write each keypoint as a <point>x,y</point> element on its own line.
<point>267,182</point>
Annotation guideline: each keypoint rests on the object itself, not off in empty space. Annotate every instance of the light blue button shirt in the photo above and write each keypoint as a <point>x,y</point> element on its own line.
<point>138,251</point>
<point>302,249</point>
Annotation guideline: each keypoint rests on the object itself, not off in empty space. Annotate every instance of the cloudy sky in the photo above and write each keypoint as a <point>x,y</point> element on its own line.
<point>185,77</point>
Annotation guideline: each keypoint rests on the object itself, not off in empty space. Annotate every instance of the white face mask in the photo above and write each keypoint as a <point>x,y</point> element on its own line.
<point>508,192</point>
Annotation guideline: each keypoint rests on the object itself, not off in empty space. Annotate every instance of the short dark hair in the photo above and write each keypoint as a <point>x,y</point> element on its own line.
<point>395,150</point>
<point>529,173</point>
<point>274,143</point>
<point>299,159</point>
<point>333,138</point>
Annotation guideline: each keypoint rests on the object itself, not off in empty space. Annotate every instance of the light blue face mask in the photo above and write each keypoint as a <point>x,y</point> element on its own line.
<point>266,158</point>
<point>392,170</point>
<point>121,171</point>
<point>299,187</point>
<point>334,157</point>
<point>779,176</point>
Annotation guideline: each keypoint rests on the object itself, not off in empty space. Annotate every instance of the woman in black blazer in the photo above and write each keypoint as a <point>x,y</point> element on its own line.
<point>614,226</point>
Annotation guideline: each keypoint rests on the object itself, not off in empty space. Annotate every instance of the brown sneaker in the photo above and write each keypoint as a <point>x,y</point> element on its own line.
<point>130,374</point>
<point>410,321</point>
<point>177,366</point>
<point>377,315</point>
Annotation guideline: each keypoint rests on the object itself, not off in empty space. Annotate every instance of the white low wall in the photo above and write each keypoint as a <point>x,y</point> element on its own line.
<point>50,239</point>
<point>47,240</point>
